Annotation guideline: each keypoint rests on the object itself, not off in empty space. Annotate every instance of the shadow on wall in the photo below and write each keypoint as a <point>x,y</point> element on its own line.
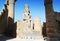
<point>10,31</point>
<point>44,30</point>
<point>7,25</point>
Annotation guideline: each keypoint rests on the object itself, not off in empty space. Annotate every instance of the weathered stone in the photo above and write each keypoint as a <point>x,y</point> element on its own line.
<point>52,21</point>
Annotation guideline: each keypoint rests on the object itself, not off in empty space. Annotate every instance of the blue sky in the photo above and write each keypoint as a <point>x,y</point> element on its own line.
<point>36,8</point>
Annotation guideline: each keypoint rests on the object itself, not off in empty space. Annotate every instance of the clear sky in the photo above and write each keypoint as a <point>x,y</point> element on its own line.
<point>36,8</point>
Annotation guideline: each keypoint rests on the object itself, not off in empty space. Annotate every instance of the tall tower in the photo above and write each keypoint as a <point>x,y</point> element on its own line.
<point>50,21</point>
<point>26,14</point>
<point>27,17</point>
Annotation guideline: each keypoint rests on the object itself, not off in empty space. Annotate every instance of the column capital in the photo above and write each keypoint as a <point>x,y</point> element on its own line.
<point>12,1</point>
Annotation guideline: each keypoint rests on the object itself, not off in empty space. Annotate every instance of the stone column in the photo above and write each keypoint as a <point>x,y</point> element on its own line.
<point>11,9</point>
<point>51,30</point>
<point>10,28</point>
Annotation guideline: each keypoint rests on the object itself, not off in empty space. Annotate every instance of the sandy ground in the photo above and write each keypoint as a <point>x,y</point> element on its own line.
<point>18,39</point>
<point>4,38</point>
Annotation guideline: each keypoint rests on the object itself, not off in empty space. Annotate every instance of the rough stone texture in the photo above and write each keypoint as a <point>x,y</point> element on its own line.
<point>7,23</point>
<point>52,21</point>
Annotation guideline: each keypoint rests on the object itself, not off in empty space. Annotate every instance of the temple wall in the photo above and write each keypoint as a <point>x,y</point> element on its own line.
<point>3,19</point>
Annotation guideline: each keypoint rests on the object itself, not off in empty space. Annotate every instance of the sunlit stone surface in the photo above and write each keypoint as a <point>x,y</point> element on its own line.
<point>17,39</point>
<point>29,29</point>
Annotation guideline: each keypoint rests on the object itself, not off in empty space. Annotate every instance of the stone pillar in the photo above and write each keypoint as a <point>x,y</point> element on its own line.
<point>50,21</point>
<point>11,4</point>
<point>11,9</point>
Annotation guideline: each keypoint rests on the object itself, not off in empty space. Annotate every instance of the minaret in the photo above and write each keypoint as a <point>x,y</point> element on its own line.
<point>26,14</point>
<point>27,17</point>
